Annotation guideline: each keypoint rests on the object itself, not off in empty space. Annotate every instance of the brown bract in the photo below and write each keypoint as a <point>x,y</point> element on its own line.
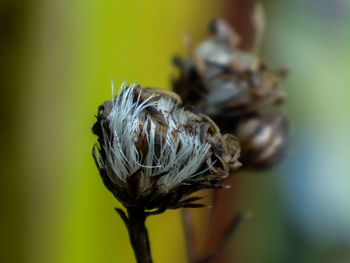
<point>163,129</point>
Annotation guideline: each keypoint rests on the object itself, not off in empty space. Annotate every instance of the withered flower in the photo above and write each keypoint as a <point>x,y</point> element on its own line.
<point>222,80</point>
<point>153,153</point>
<point>230,85</point>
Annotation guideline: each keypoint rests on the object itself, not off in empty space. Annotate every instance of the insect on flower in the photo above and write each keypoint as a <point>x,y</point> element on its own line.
<point>153,152</point>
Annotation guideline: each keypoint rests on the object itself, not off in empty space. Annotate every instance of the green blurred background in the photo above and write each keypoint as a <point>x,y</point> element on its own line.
<point>57,61</point>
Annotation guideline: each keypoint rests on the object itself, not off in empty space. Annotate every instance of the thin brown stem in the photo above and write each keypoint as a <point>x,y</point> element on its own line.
<point>230,229</point>
<point>190,238</point>
<point>138,235</point>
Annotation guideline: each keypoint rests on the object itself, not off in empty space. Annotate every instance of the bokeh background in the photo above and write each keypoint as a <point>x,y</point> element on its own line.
<point>57,62</point>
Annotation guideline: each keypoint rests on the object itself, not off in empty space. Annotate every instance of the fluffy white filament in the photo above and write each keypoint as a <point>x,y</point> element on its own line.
<point>180,156</point>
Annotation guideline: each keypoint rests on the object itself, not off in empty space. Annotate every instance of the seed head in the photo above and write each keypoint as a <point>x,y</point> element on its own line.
<point>231,86</point>
<point>222,80</point>
<point>153,152</point>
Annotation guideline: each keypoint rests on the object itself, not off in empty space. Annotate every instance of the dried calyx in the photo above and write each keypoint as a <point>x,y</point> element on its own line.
<point>230,85</point>
<point>153,152</point>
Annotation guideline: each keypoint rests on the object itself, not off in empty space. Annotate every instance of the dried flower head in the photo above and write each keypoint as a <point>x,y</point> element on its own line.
<point>222,80</point>
<point>231,85</point>
<point>153,152</point>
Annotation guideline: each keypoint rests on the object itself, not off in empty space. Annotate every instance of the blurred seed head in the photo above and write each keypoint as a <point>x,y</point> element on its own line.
<point>230,85</point>
<point>263,140</point>
<point>221,80</point>
<point>153,152</point>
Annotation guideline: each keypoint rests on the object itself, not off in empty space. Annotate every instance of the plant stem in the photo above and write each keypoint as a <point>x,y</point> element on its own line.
<point>190,238</point>
<point>138,235</point>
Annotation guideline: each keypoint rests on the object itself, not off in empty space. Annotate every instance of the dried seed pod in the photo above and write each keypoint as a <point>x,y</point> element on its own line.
<point>229,85</point>
<point>263,140</point>
<point>153,152</point>
<point>223,81</point>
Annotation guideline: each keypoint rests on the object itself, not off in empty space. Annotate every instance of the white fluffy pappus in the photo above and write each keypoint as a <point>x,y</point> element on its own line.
<point>181,153</point>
